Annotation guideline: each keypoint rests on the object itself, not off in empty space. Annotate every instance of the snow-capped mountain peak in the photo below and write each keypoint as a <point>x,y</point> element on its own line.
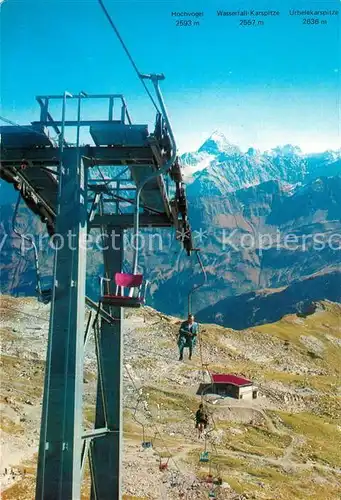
<point>219,167</point>
<point>217,143</point>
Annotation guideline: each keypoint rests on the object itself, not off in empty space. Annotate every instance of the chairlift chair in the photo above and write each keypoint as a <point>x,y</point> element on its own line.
<point>204,457</point>
<point>211,494</point>
<point>135,287</point>
<point>44,291</point>
<point>45,296</point>
<point>145,444</point>
<point>218,481</point>
<point>135,297</point>
<point>163,465</point>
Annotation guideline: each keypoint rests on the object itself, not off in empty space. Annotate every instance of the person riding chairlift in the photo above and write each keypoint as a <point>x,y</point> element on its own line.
<point>201,420</point>
<point>187,336</point>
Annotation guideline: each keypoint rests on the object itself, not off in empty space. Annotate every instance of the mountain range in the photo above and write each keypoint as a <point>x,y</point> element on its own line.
<point>264,221</point>
<point>219,167</point>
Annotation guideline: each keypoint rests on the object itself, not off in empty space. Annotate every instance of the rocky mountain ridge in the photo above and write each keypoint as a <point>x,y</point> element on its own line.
<point>219,167</point>
<point>265,236</point>
<point>260,237</point>
<point>267,306</point>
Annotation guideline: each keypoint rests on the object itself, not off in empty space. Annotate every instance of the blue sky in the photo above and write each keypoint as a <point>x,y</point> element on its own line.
<point>262,86</point>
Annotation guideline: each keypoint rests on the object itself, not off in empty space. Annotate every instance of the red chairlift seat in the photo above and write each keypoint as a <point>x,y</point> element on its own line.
<point>163,464</point>
<point>133,283</point>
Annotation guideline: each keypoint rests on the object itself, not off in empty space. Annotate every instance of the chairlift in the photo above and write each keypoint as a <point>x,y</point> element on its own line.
<point>212,494</point>
<point>44,289</point>
<point>147,444</point>
<point>204,457</point>
<point>163,461</point>
<point>133,283</point>
<point>130,290</point>
<point>163,465</point>
<point>43,284</point>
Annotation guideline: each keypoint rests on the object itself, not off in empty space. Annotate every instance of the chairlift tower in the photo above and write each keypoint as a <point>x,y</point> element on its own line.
<point>61,182</point>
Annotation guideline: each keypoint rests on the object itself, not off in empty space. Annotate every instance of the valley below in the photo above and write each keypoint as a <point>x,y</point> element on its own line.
<point>284,445</point>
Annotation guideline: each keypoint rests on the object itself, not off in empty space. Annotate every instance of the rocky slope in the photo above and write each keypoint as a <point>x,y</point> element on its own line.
<point>287,441</point>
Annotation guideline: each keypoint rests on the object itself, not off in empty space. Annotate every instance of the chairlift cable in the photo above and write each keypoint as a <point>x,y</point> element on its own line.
<point>204,366</point>
<point>140,400</point>
<point>153,422</point>
<point>196,287</point>
<point>126,50</point>
<point>156,429</point>
<point>134,281</point>
<point>44,295</point>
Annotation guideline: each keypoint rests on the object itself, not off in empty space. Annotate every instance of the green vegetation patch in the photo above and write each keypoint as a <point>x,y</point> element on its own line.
<point>89,413</point>
<point>240,485</point>
<point>322,438</point>
<point>318,382</point>
<point>225,461</point>
<point>329,407</point>
<point>171,400</point>
<point>320,326</point>
<point>292,486</point>
<point>259,441</point>
<point>22,490</point>
<point>144,362</point>
<point>9,426</point>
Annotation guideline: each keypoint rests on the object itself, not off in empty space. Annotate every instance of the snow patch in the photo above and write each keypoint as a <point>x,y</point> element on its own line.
<point>195,162</point>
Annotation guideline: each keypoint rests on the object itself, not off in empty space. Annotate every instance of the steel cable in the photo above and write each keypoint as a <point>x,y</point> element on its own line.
<point>126,50</point>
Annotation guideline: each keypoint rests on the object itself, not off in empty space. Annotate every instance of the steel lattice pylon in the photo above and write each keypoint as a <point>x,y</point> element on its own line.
<point>57,182</point>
